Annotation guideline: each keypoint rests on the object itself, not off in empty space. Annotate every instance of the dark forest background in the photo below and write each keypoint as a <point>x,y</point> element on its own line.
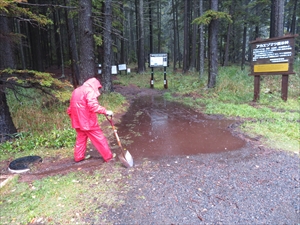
<point>127,31</point>
<point>198,35</point>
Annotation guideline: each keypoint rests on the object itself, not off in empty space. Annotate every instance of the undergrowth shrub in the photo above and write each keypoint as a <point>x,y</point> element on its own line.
<point>46,125</point>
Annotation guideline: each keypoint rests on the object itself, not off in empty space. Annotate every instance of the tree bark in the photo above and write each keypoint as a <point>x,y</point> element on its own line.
<point>106,73</point>
<point>132,43</point>
<point>244,47</point>
<point>141,56</point>
<point>7,126</point>
<point>73,47</point>
<point>122,50</point>
<point>213,48</point>
<point>277,16</point>
<point>60,44</point>
<point>294,16</point>
<point>22,56</point>
<point>175,51</point>
<point>86,47</point>
<point>36,48</point>
<point>186,37</point>
<point>159,26</point>
<point>229,29</point>
<point>194,39</point>
<point>178,39</point>
<point>202,44</point>
<point>150,27</point>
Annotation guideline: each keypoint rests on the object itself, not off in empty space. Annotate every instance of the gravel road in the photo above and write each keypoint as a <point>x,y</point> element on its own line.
<point>248,186</point>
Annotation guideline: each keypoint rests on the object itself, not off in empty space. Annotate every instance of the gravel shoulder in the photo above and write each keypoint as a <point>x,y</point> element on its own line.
<point>247,186</point>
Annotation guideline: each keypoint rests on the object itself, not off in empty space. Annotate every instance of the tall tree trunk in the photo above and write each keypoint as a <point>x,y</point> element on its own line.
<point>141,56</point>
<point>175,53</point>
<point>213,48</point>
<point>72,47</point>
<point>137,33</point>
<point>22,56</point>
<point>150,27</point>
<point>194,39</point>
<point>244,47</point>
<point>186,37</point>
<point>7,126</point>
<point>226,54</point>
<point>277,16</point>
<point>178,42</point>
<point>132,37</point>
<point>159,25</point>
<point>201,42</point>
<point>294,16</point>
<point>60,44</point>
<point>56,35</point>
<point>36,47</point>
<point>122,53</point>
<point>86,47</point>
<point>106,75</point>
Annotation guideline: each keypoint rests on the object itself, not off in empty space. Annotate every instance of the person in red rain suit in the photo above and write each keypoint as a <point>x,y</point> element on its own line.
<point>83,111</point>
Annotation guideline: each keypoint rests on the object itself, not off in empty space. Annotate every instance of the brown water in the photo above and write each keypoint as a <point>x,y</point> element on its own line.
<point>154,127</point>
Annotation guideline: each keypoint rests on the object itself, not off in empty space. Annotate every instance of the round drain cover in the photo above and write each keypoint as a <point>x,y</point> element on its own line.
<point>21,165</point>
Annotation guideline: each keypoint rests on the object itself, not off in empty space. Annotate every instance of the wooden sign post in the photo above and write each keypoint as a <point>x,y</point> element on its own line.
<point>274,56</point>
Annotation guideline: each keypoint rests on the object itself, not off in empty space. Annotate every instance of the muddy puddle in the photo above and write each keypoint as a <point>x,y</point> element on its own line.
<point>154,128</point>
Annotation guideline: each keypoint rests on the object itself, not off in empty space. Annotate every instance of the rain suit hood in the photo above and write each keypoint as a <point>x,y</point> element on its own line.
<point>84,105</point>
<point>95,84</point>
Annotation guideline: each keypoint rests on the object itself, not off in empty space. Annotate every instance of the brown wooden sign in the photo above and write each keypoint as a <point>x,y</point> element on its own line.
<point>273,56</point>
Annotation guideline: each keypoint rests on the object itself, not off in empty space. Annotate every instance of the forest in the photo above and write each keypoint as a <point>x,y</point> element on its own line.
<point>197,35</point>
<point>49,47</point>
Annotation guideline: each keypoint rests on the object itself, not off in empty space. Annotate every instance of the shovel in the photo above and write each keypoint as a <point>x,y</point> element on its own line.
<point>125,157</point>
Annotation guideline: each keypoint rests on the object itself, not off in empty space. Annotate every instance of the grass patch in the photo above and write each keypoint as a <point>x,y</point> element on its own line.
<point>275,134</point>
<point>77,198</point>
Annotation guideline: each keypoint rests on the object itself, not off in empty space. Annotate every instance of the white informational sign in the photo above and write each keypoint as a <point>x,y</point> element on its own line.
<point>99,68</point>
<point>122,67</point>
<point>114,70</point>
<point>159,60</point>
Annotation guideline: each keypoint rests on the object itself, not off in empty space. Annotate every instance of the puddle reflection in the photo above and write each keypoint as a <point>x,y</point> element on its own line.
<point>154,127</point>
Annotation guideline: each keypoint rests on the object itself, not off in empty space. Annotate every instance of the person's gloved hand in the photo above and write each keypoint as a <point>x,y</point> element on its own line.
<point>109,113</point>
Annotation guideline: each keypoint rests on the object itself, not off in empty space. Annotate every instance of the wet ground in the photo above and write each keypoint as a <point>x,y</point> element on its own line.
<point>218,177</point>
<point>157,128</point>
<point>152,128</point>
<point>190,169</point>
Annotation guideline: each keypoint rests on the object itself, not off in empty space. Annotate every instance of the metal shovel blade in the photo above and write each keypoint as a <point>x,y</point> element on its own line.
<point>126,159</point>
<point>129,158</point>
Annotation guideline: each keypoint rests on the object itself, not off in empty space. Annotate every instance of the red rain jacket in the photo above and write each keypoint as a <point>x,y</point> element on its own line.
<point>84,105</point>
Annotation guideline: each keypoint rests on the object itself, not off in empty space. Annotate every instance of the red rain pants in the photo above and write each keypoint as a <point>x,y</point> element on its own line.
<point>98,140</point>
